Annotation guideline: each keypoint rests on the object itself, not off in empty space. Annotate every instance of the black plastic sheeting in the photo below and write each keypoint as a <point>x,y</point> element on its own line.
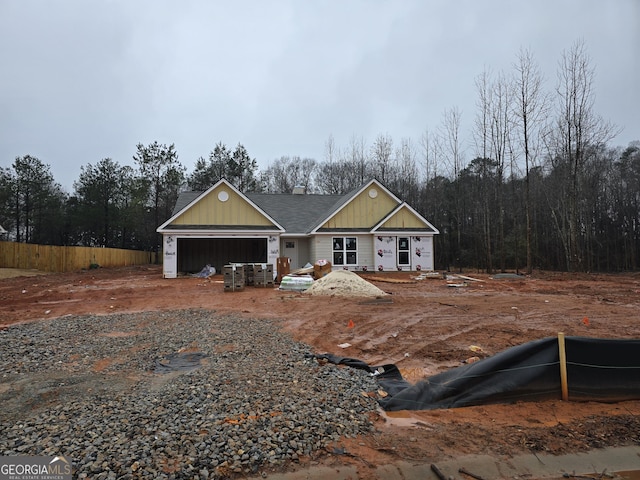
<point>597,370</point>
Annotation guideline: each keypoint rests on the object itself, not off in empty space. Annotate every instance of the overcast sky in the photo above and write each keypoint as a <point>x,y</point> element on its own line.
<point>84,80</point>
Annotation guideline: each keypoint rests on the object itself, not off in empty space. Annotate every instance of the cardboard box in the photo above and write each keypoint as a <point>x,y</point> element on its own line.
<point>283,267</point>
<point>321,270</point>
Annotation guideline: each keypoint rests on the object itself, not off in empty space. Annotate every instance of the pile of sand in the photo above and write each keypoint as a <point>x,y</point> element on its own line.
<point>344,283</point>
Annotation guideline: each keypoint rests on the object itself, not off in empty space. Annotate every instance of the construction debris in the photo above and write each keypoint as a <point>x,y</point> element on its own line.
<point>296,283</point>
<point>508,276</point>
<point>206,272</point>
<point>428,275</point>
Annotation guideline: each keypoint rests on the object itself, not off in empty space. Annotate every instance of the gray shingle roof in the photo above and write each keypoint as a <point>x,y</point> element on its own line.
<point>298,214</point>
<point>184,199</point>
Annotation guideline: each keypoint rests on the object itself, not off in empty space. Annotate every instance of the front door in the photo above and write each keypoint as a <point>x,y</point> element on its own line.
<point>404,262</point>
<point>291,250</point>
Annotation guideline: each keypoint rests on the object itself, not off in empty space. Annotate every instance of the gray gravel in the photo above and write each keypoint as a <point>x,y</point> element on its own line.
<point>86,388</point>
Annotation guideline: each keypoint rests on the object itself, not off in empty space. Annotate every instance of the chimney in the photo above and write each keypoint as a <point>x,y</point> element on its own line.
<point>299,190</point>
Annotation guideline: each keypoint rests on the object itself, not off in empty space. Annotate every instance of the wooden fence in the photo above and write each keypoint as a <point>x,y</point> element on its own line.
<point>51,258</point>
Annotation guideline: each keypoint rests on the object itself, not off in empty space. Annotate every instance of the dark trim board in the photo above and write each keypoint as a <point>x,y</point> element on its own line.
<point>195,253</point>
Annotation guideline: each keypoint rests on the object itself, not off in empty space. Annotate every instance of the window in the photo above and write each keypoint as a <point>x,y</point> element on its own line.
<point>345,251</point>
<point>289,244</point>
<point>403,250</point>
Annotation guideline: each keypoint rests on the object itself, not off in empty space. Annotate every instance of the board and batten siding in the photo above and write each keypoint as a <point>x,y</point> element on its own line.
<point>213,210</point>
<point>364,211</point>
<point>403,218</point>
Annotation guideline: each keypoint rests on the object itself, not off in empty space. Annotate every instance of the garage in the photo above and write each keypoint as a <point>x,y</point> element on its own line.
<point>195,253</point>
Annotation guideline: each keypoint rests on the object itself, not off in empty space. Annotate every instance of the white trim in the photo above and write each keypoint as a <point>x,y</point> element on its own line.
<point>223,233</point>
<point>403,233</point>
<point>362,189</point>
<point>407,232</point>
<point>344,250</point>
<point>170,264</point>
<point>406,250</point>
<point>162,228</point>
<point>294,235</point>
<point>343,233</point>
<point>207,234</point>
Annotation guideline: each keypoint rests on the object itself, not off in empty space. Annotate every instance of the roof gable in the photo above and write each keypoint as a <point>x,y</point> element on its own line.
<point>404,218</point>
<point>222,205</point>
<point>362,209</point>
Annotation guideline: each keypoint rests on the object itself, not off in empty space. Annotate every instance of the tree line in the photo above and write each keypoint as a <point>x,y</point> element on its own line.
<point>543,187</point>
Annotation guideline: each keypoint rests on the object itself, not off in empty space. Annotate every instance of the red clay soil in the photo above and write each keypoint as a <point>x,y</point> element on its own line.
<point>424,326</point>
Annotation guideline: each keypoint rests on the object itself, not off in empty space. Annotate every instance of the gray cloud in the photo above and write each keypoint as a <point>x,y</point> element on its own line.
<point>87,80</point>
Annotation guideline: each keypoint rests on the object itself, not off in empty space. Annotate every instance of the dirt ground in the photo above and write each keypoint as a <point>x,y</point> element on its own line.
<point>423,326</point>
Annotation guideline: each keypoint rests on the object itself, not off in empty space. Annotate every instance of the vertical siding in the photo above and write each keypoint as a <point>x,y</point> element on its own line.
<point>210,210</point>
<point>404,219</point>
<point>363,211</point>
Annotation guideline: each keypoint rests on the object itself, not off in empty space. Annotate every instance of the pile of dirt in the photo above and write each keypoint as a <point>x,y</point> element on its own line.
<point>344,283</point>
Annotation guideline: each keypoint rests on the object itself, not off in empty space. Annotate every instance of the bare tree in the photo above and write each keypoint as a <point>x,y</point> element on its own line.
<point>407,180</point>
<point>382,157</point>
<point>531,105</point>
<point>289,172</point>
<point>577,128</point>
<point>358,160</point>
<point>431,151</point>
<point>501,121</point>
<point>481,130</point>
<point>482,136</point>
<point>453,155</point>
<point>329,175</point>
<point>432,197</point>
<point>450,139</point>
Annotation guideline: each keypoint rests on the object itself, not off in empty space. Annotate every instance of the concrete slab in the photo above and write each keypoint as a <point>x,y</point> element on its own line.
<point>543,466</point>
<point>529,467</point>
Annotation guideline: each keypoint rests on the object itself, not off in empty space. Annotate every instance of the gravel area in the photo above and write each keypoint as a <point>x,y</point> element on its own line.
<point>90,388</point>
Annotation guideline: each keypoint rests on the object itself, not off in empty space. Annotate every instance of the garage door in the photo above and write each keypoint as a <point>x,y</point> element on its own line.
<point>195,253</point>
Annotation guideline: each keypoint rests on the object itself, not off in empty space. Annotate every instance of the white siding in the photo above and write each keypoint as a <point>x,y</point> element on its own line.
<point>321,248</point>
<point>365,252</point>
<point>313,250</point>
